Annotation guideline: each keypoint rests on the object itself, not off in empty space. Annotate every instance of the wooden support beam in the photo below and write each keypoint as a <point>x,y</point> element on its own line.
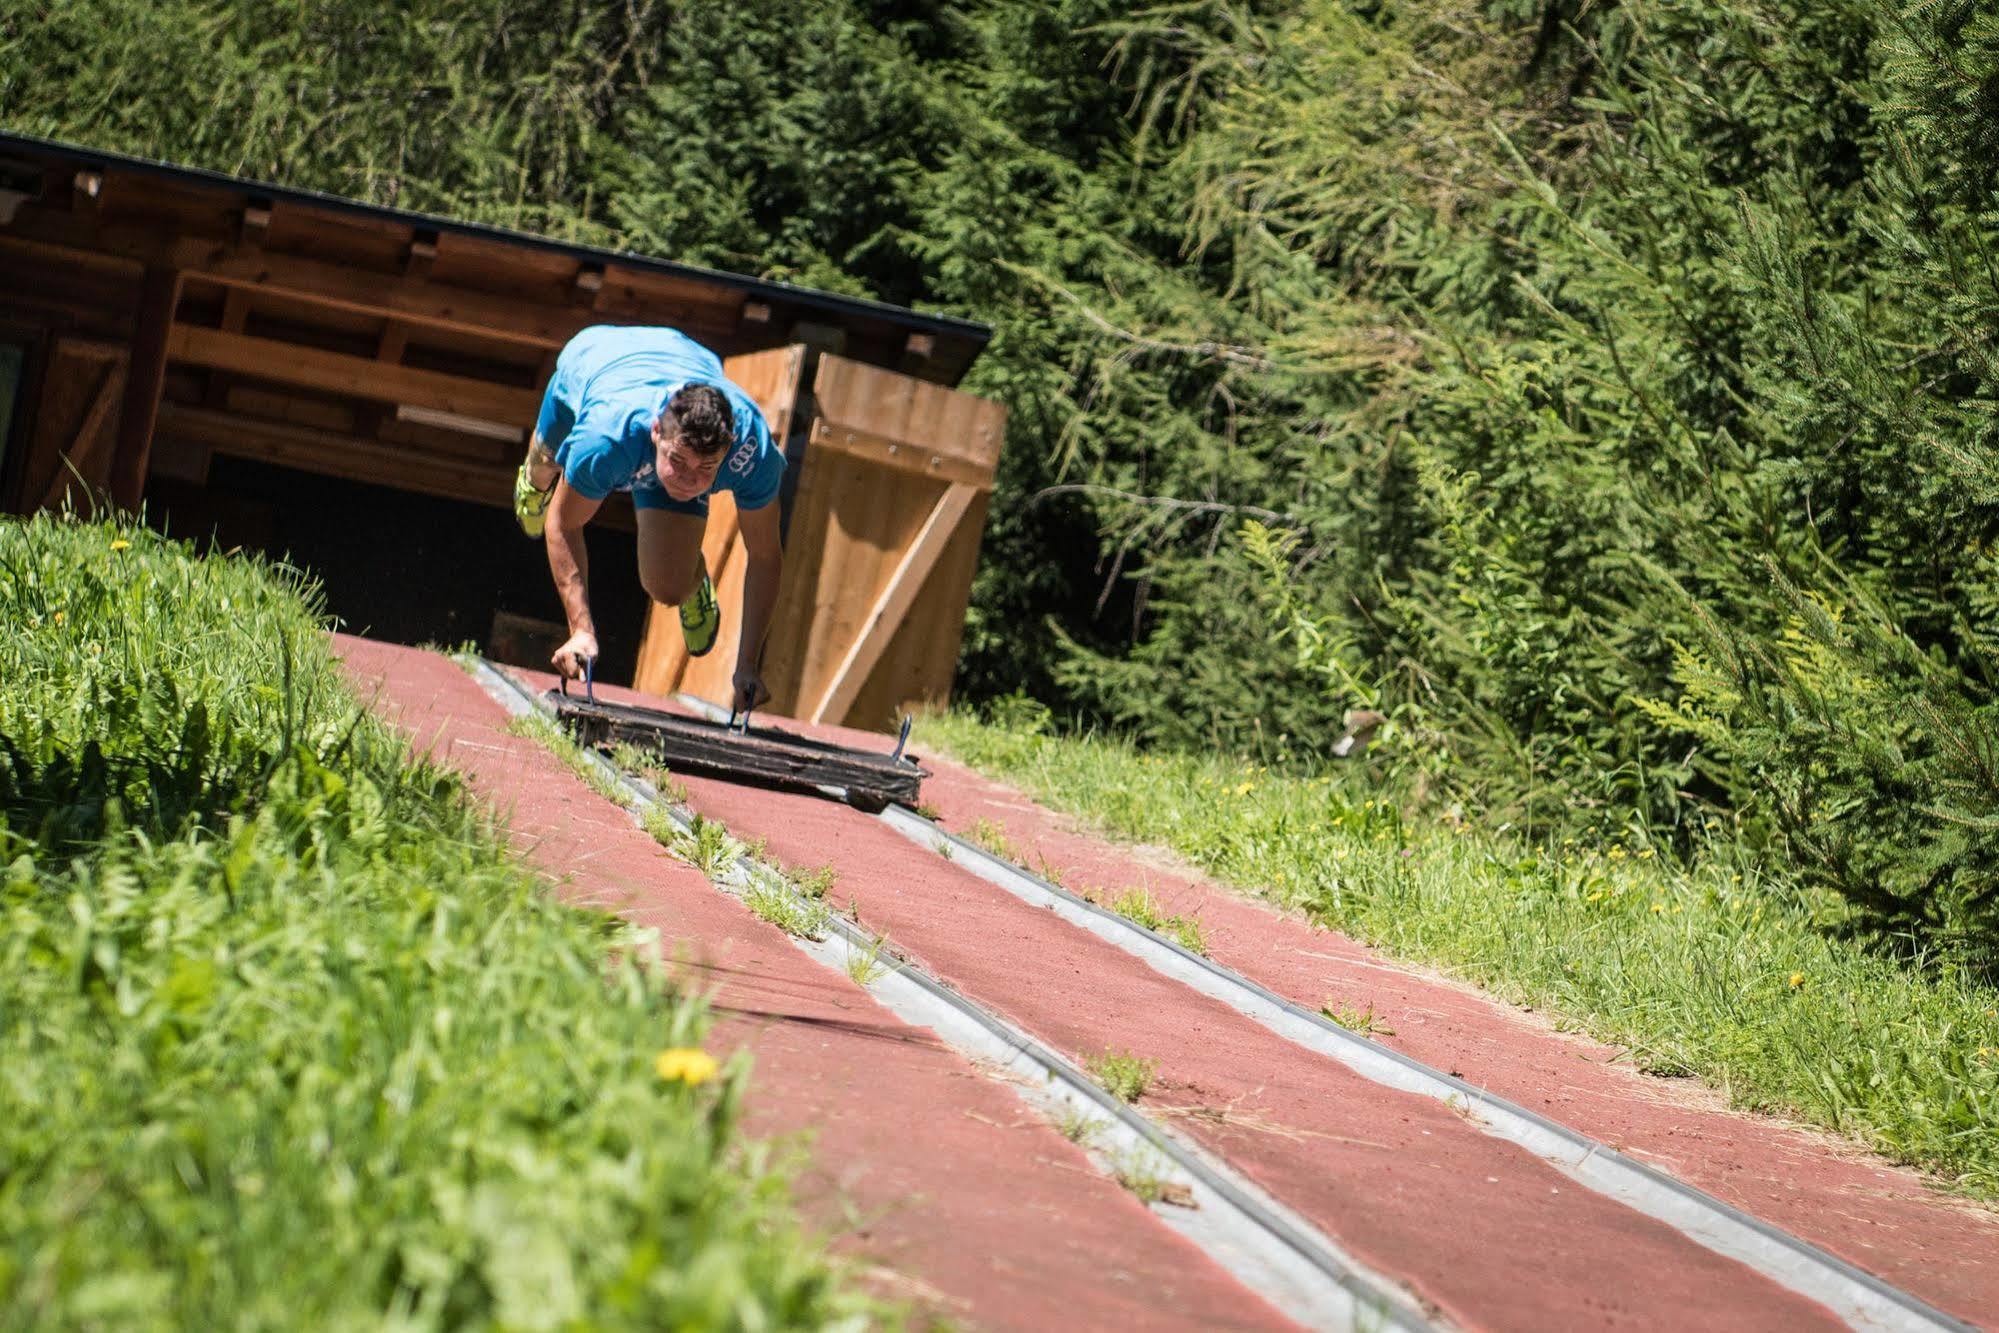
<point>333,454</point>
<point>144,376</point>
<point>355,376</point>
<point>461,310</point>
<point>336,286</point>
<point>899,454</point>
<point>892,605</point>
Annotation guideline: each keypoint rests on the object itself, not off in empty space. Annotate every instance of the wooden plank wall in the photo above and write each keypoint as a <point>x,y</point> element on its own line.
<point>882,541</point>
<point>891,459</point>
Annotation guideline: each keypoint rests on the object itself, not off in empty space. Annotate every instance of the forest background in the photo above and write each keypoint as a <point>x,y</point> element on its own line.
<point>1604,391</point>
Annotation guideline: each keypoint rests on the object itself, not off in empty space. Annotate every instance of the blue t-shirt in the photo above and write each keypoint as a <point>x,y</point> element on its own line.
<point>609,385</point>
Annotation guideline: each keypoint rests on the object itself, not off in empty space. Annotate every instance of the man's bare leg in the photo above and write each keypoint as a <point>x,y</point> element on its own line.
<point>541,465</point>
<point>670,554</point>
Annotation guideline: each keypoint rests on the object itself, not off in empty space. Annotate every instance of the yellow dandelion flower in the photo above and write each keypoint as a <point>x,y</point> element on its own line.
<point>1797,980</point>
<point>121,545</point>
<point>1597,896</point>
<point>685,1064</point>
<point>1658,907</point>
<point>57,619</point>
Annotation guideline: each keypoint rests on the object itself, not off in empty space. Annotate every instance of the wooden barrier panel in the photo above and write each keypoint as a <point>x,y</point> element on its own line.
<point>883,537</point>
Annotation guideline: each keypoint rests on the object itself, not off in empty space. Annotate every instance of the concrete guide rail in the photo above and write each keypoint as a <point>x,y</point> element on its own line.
<point>1252,1235</point>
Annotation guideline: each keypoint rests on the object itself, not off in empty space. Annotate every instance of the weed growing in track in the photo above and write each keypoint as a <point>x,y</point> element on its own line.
<point>1123,1076</point>
<point>1080,1126</point>
<point>784,907</point>
<point>710,847</point>
<point>1355,1019</point>
<point>646,765</point>
<point>1145,1173</point>
<point>289,1039</point>
<point>1714,971</point>
<point>867,966</point>
<point>991,835</point>
<point>1138,906</point>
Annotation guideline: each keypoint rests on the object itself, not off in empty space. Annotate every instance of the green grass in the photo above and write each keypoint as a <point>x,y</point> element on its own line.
<point>1123,1075</point>
<point>990,834</point>
<point>286,1038</point>
<point>1354,1018</point>
<point>1144,1172</point>
<point>1138,906</point>
<point>1716,971</point>
<point>867,966</point>
<point>790,911</point>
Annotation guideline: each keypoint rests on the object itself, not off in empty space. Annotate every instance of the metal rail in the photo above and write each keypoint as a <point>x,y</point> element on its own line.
<point>1262,1242</point>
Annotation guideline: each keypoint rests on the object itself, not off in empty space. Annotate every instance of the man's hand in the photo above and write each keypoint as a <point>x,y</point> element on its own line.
<point>750,690</point>
<point>569,658</point>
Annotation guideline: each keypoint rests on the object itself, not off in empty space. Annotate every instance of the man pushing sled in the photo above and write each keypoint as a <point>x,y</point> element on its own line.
<point>648,410</point>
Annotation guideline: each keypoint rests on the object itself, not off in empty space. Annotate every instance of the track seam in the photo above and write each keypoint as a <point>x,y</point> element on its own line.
<point>1251,1234</point>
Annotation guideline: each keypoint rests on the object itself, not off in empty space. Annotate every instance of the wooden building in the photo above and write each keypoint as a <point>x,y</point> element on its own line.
<point>350,387</point>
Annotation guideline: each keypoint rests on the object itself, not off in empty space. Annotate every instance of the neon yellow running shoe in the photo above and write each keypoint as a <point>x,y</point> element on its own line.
<point>530,505</point>
<point>701,616</point>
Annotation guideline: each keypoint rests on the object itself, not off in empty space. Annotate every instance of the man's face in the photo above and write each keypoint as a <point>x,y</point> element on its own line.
<point>684,474</point>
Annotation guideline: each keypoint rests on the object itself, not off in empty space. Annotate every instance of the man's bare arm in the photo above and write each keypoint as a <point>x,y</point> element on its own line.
<point>569,565</point>
<point>763,544</point>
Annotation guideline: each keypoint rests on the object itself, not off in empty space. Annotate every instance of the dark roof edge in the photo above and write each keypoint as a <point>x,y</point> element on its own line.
<point>978,334</point>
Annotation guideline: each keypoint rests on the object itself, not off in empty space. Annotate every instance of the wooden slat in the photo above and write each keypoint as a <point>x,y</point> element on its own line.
<point>893,603</point>
<point>461,309</point>
<point>362,291</point>
<point>359,377</point>
<point>922,656</point>
<point>881,404</point>
<point>331,453</point>
<point>87,456</point>
<point>884,451</point>
<point>145,373</point>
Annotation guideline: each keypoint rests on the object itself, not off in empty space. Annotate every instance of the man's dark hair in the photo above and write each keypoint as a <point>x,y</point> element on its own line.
<point>700,416</point>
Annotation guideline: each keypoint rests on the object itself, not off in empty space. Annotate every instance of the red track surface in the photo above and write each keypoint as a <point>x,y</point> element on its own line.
<point>1480,1229</point>
<point>927,1166</point>
<point>1873,1215</point>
